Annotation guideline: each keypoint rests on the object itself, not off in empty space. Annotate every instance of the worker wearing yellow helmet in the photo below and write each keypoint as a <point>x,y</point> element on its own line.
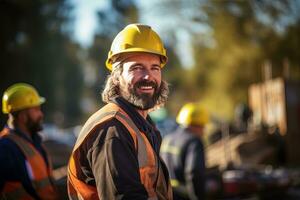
<point>116,153</point>
<point>25,171</point>
<point>183,153</point>
<point>193,115</point>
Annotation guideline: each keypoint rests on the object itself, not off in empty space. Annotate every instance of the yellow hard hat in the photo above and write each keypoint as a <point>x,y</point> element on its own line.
<point>137,38</point>
<point>20,96</point>
<point>192,114</point>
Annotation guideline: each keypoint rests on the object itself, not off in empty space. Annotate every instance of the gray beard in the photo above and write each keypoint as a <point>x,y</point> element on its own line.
<point>142,101</point>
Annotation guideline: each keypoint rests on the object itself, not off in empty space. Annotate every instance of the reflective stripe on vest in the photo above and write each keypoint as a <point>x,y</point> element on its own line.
<point>146,156</point>
<point>41,181</point>
<point>148,163</point>
<point>166,147</point>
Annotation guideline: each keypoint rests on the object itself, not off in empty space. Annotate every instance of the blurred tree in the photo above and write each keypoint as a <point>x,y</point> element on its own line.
<point>231,63</point>
<point>35,48</point>
<point>228,41</point>
<point>242,43</point>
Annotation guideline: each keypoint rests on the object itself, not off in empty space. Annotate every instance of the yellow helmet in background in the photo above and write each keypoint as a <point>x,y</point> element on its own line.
<point>136,38</point>
<point>192,114</point>
<point>20,96</point>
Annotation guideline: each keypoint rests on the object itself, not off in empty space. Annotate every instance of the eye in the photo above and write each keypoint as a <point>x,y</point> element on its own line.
<point>136,68</point>
<point>155,68</point>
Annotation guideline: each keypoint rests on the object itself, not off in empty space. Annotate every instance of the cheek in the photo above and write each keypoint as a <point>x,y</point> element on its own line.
<point>131,79</point>
<point>124,83</point>
<point>158,81</point>
<point>157,77</point>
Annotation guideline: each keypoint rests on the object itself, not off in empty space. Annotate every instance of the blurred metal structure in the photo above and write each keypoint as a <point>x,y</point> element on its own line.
<point>267,100</point>
<point>276,103</point>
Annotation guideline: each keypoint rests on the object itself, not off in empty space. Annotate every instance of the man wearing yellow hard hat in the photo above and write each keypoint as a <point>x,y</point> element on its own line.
<point>183,153</point>
<point>116,155</point>
<point>25,171</point>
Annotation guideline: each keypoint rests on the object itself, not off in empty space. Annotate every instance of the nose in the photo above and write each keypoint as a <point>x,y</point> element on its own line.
<point>41,113</point>
<point>146,75</point>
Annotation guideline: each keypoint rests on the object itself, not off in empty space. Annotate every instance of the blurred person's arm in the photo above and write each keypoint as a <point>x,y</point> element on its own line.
<point>8,162</point>
<point>195,170</point>
<point>4,160</point>
<point>12,167</point>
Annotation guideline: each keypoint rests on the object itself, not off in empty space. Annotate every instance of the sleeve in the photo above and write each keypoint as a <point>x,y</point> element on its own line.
<point>13,167</point>
<point>8,160</point>
<point>115,166</point>
<point>5,164</point>
<point>195,170</point>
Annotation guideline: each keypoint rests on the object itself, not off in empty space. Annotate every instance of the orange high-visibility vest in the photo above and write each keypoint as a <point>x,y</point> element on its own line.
<point>150,171</point>
<point>40,173</point>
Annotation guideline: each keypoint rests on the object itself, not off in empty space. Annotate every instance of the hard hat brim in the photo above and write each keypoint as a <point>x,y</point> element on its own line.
<point>109,61</point>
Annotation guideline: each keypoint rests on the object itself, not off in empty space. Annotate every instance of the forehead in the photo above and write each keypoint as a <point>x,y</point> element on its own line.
<point>143,58</point>
<point>33,109</point>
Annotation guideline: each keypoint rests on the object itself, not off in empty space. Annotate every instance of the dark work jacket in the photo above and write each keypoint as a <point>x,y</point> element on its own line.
<point>108,159</point>
<point>184,157</point>
<point>12,161</point>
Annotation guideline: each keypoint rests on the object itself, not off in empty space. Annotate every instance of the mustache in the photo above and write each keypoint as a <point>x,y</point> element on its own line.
<point>146,83</point>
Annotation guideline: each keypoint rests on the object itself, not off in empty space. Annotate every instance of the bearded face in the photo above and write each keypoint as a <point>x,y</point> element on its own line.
<point>140,81</point>
<point>142,100</point>
<point>137,78</point>
<point>34,122</point>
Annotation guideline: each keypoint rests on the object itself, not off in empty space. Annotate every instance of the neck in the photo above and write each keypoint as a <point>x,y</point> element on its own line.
<point>20,127</point>
<point>144,113</point>
<point>195,131</point>
<point>122,101</point>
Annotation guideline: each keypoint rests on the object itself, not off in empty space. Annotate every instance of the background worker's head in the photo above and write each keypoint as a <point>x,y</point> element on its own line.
<point>22,102</point>
<point>136,57</point>
<point>194,117</point>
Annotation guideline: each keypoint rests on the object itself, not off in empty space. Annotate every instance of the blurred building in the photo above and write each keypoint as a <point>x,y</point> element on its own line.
<point>276,105</point>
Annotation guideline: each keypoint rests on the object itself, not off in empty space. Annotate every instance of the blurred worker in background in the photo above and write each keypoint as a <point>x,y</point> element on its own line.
<point>25,171</point>
<point>183,153</point>
<point>116,155</point>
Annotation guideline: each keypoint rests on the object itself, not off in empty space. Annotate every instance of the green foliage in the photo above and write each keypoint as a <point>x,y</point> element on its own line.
<point>231,60</point>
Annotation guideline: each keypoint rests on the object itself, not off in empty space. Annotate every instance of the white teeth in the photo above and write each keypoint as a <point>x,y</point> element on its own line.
<point>146,87</point>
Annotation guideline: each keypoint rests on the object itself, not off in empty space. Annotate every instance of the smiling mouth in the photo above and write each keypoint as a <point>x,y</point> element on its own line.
<point>146,89</point>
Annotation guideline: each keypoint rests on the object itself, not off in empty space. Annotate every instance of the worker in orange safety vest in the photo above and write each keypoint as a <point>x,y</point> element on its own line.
<point>116,155</point>
<point>25,170</point>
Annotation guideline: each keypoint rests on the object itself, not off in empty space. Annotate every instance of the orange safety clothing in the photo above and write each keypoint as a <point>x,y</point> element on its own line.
<point>151,174</point>
<point>40,173</point>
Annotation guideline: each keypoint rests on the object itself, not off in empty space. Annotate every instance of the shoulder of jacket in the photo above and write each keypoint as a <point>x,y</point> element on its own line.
<point>104,117</point>
<point>9,147</point>
<point>5,142</point>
